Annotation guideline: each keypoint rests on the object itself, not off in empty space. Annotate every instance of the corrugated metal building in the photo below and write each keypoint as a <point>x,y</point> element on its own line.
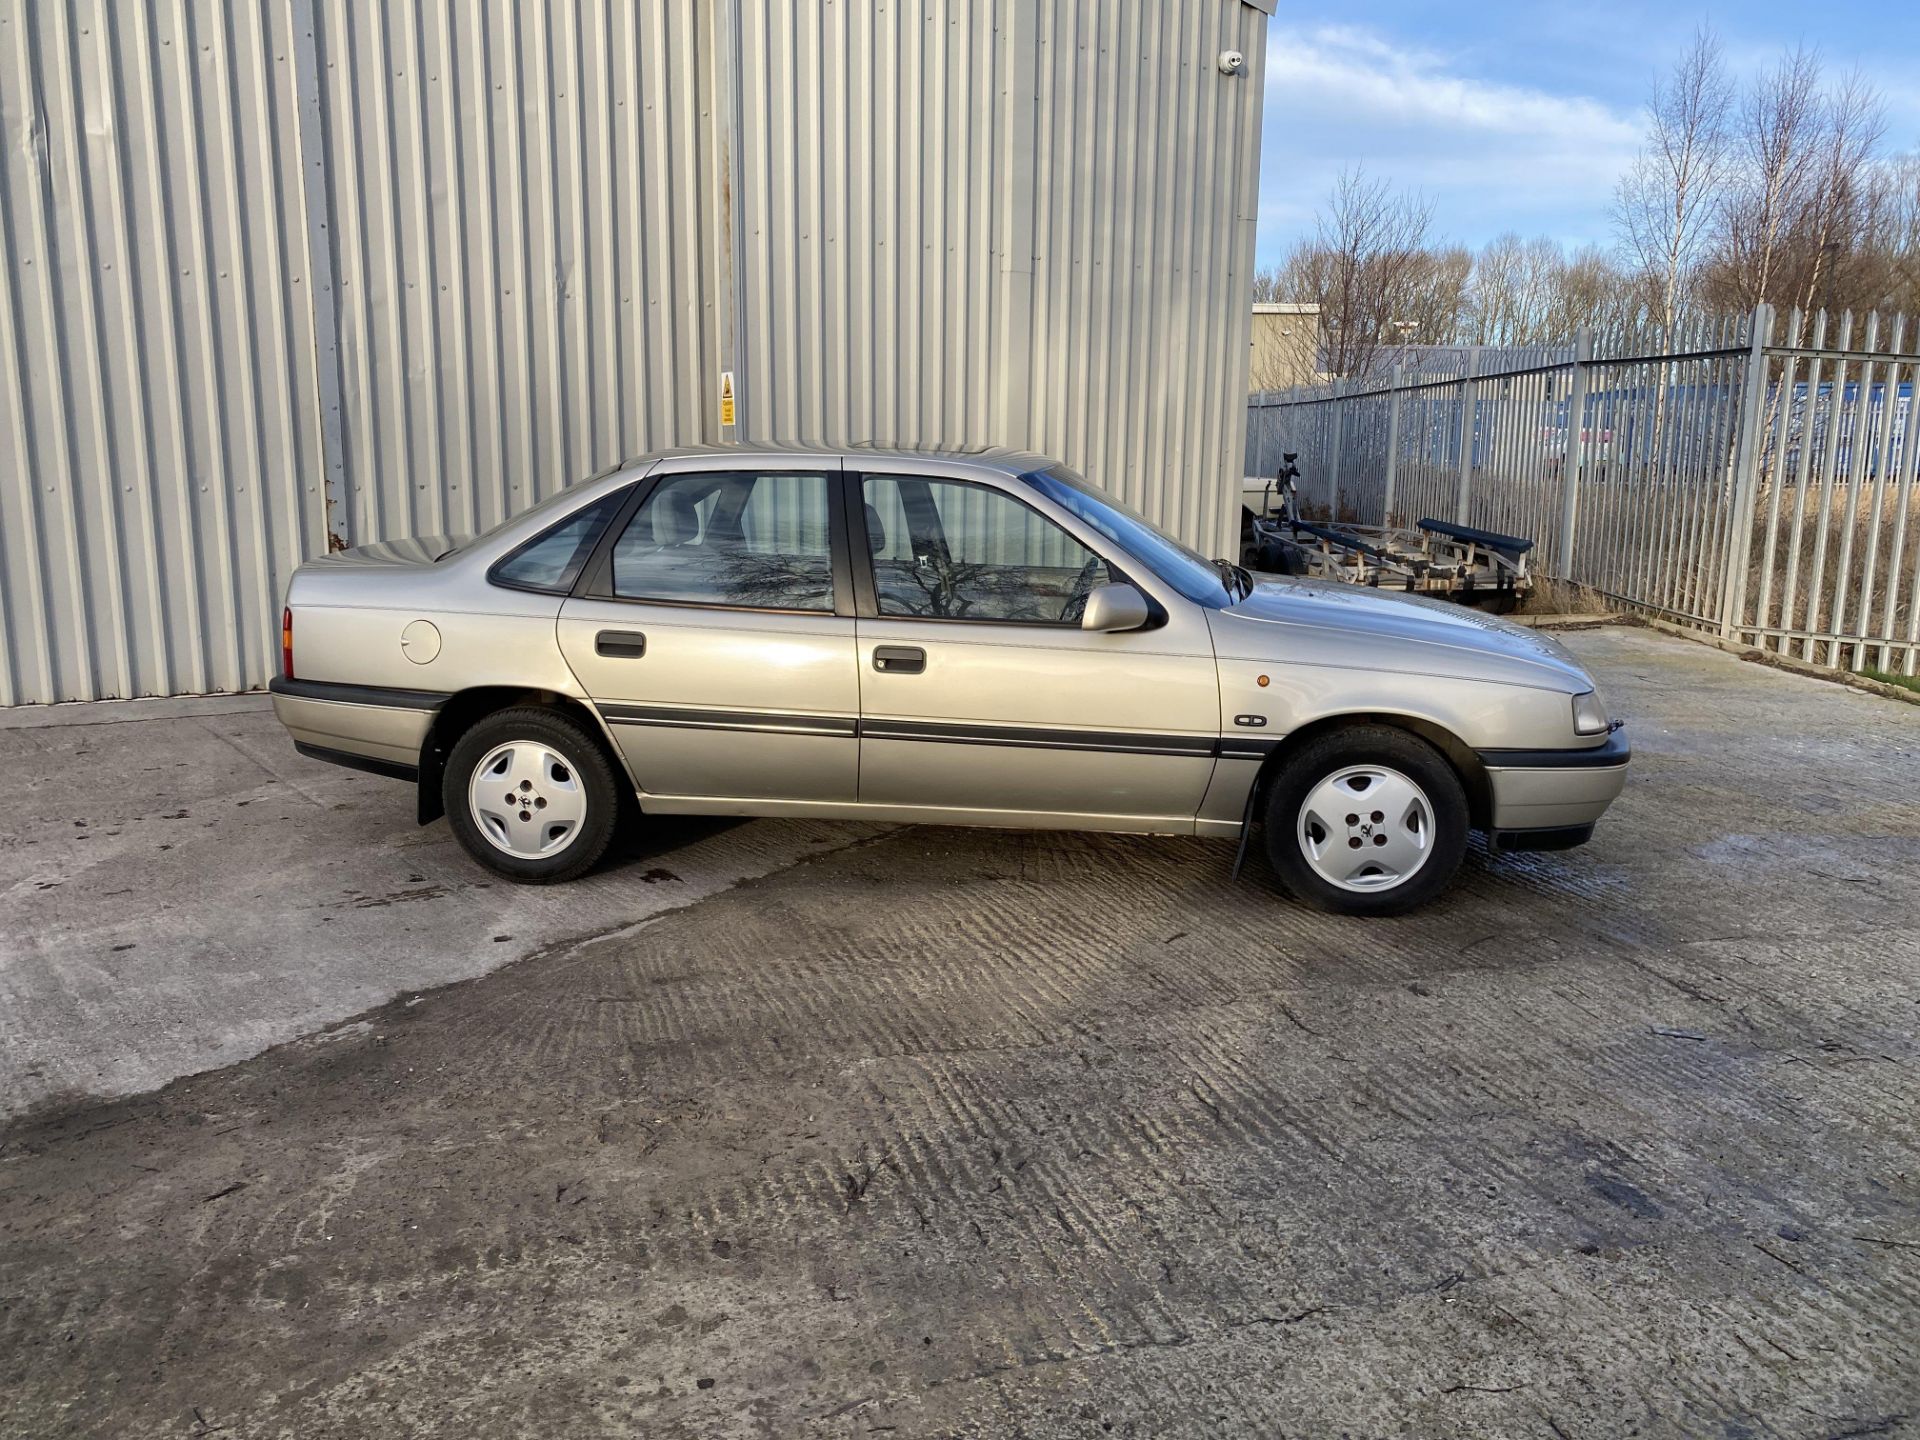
<point>279,272</point>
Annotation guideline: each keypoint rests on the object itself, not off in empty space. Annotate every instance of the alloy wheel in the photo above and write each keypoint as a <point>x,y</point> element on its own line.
<point>1366,828</point>
<point>527,799</point>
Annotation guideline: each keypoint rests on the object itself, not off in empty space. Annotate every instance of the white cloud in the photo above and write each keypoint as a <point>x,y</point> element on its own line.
<point>1492,156</point>
<point>1377,79</point>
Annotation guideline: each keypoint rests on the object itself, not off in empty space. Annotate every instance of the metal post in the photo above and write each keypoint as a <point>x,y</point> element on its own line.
<point>1746,475</point>
<point>1574,461</point>
<point>338,526</point>
<point>1393,440</point>
<point>1016,58</point>
<point>1333,463</point>
<point>725,412</point>
<point>1468,395</point>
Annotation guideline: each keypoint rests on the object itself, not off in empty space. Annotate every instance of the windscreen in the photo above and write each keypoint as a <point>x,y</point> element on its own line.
<point>1189,572</point>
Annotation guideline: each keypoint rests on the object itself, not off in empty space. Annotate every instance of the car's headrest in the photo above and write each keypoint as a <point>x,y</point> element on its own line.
<point>876,531</point>
<point>679,522</point>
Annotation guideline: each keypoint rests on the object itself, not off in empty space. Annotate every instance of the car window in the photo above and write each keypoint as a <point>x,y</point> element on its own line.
<point>552,561</point>
<point>759,541</point>
<point>560,500</point>
<point>1189,572</point>
<point>949,550</point>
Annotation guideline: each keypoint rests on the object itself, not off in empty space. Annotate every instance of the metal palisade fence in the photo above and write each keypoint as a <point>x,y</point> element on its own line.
<point>1753,477</point>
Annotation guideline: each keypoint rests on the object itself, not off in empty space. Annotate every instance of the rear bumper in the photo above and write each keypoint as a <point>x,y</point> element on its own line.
<point>1553,793</point>
<point>371,729</point>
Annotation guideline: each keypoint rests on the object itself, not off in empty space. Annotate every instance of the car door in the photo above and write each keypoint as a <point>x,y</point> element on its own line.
<point>715,633</point>
<point>979,690</point>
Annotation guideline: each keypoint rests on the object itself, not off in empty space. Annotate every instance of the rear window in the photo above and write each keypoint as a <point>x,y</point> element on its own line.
<point>557,502</point>
<point>551,561</point>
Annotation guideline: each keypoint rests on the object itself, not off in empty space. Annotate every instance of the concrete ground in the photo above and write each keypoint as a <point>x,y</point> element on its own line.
<point>940,1132</point>
<point>185,891</point>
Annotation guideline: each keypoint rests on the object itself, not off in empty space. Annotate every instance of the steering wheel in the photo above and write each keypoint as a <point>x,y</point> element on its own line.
<point>1076,607</point>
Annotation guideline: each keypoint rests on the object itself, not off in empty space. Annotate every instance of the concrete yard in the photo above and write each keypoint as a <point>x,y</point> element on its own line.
<point>185,890</point>
<point>772,1129</point>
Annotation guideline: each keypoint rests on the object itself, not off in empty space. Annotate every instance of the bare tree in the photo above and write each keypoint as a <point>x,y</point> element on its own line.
<point>1664,203</point>
<point>1514,284</point>
<point>1782,195</point>
<point>1897,231</point>
<point>1774,152</point>
<point>1592,290</point>
<point>1365,268</point>
<point>1433,305</point>
<point>1836,215</point>
<point>1496,281</point>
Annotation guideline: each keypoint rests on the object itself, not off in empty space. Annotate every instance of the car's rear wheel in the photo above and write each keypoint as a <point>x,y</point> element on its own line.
<point>1366,821</point>
<point>531,795</point>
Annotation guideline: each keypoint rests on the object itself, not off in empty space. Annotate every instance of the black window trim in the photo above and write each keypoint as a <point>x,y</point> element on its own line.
<point>566,587</point>
<point>595,581</point>
<point>867,591</point>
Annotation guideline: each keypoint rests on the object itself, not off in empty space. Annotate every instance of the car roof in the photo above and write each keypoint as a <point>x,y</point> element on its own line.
<point>1003,459</point>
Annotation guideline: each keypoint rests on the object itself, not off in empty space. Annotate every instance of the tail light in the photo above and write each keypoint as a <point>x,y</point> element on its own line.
<point>286,642</point>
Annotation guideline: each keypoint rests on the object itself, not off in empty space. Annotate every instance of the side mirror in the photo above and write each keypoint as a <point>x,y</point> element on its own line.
<point>1115,607</point>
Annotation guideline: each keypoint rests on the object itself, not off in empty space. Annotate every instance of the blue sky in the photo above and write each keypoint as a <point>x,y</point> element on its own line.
<point>1516,116</point>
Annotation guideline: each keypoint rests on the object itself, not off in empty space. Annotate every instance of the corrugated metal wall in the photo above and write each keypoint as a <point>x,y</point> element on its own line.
<point>274,272</point>
<point>160,448</point>
<point>523,240</point>
<point>1013,223</point>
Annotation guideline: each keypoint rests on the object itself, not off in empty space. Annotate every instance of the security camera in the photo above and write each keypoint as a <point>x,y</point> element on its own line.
<point>1232,62</point>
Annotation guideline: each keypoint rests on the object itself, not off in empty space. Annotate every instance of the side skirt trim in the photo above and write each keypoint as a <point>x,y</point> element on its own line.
<point>1199,747</point>
<point>675,719</point>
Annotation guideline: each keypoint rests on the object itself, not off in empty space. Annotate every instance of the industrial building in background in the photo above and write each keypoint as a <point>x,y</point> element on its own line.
<point>1284,348</point>
<point>282,276</point>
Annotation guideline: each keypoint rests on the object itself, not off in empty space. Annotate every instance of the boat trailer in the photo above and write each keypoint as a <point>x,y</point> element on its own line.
<point>1434,557</point>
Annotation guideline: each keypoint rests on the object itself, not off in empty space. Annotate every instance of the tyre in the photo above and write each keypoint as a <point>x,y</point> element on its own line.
<point>531,795</point>
<point>1366,821</point>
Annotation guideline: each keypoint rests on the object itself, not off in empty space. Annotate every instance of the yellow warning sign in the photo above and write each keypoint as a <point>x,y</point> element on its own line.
<point>726,397</point>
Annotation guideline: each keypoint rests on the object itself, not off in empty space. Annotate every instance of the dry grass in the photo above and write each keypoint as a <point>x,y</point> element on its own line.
<point>1845,603</point>
<point>1552,596</point>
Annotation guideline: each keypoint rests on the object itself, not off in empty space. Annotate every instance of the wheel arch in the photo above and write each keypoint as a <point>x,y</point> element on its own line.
<point>467,708</point>
<point>1466,764</point>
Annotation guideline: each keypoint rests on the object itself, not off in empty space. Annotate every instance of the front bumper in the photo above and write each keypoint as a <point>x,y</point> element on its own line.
<point>1553,793</point>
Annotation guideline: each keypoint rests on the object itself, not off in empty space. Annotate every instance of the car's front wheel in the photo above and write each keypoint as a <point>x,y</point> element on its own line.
<point>1368,820</point>
<point>531,796</point>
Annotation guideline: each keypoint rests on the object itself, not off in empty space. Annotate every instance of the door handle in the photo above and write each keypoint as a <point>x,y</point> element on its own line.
<point>899,659</point>
<point>620,644</point>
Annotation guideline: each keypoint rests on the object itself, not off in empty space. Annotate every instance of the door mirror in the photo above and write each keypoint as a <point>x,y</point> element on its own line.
<point>1114,607</point>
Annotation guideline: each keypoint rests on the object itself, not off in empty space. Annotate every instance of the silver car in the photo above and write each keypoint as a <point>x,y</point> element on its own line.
<point>951,639</point>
